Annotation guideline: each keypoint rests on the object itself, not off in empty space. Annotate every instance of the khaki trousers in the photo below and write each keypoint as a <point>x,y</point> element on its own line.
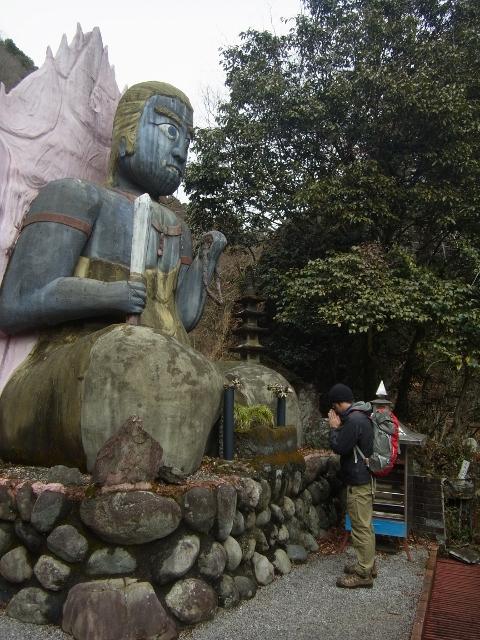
<point>360,510</point>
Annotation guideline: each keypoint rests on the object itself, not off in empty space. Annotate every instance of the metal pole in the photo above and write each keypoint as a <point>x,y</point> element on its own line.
<point>281,411</point>
<point>228,400</point>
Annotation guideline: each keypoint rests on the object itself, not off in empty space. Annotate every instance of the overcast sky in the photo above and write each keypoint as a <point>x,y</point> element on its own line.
<point>176,41</point>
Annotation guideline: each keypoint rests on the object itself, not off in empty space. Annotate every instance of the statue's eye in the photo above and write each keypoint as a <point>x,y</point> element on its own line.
<point>169,130</point>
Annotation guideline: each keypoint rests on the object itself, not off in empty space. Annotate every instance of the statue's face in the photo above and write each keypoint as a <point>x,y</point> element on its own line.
<point>161,147</point>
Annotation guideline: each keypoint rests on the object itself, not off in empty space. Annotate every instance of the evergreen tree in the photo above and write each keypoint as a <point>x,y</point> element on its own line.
<point>350,148</point>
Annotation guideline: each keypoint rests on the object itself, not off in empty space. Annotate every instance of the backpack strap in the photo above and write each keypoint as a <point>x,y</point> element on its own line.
<point>356,449</point>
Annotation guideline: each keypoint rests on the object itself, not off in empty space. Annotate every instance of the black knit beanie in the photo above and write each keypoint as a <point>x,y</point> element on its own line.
<point>340,393</point>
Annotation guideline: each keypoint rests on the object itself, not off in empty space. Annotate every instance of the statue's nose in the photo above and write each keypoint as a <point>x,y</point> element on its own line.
<point>179,154</point>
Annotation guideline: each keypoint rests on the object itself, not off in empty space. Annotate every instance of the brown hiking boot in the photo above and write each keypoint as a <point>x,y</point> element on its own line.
<point>352,568</point>
<point>354,581</point>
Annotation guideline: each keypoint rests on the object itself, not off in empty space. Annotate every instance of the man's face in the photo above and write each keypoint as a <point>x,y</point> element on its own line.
<point>336,407</point>
<point>161,147</point>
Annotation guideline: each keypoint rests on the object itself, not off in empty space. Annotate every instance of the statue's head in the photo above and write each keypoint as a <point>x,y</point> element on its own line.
<point>151,133</point>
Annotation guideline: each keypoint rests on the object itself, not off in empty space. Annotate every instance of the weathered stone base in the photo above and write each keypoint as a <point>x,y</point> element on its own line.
<point>147,561</point>
<point>265,441</point>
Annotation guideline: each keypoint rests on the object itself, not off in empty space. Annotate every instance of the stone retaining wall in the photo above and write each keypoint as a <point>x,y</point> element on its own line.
<point>146,561</point>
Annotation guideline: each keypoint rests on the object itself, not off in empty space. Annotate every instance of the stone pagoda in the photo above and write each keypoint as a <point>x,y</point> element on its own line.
<point>249,329</point>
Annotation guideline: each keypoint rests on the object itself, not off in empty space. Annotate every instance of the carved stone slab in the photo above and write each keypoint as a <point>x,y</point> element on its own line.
<point>130,456</point>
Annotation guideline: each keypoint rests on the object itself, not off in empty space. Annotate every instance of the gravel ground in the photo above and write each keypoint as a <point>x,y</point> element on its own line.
<point>304,605</point>
<point>13,630</point>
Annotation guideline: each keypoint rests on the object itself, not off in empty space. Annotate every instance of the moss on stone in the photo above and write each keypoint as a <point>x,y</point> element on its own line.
<point>268,435</point>
<point>281,459</point>
<point>42,401</point>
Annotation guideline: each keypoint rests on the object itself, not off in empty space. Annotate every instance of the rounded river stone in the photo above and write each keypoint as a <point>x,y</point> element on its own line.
<point>29,536</point>
<point>288,507</point>
<point>315,464</point>
<point>65,475</point>
<point>227,590</point>
<point>308,541</point>
<point>68,543</point>
<point>277,513</point>
<point>296,483</point>
<point>15,566</point>
<point>133,517</point>
<point>312,520</point>
<point>250,519</point>
<point>6,537</point>
<point>226,508</point>
<point>260,539</point>
<point>263,569</point>
<point>200,508</point>
<point>323,519</point>
<point>25,500</point>
<point>306,496</point>
<point>265,495</point>
<point>247,587</point>
<point>7,507</point>
<point>175,561</point>
<point>192,600</point>
<point>110,562</point>
<point>34,605</point>
<point>238,525</point>
<point>247,544</point>
<point>299,508</point>
<point>49,508</point>
<point>297,553</point>
<point>116,608</point>
<point>51,573</point>
<point>263,518</point>
<point>249,492</point>
<point>211,563</point>
<point>283,534</point>
<point>234,553</point>
<point>319,490</point>
<point>282,562</point>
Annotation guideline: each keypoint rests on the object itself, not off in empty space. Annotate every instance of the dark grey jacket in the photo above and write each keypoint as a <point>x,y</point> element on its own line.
<point>356,429</point>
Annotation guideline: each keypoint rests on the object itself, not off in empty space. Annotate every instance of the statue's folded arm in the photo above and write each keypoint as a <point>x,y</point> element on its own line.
<point>37,292</point>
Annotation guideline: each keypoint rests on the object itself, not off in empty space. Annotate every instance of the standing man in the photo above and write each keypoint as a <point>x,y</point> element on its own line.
<point>350,427</point>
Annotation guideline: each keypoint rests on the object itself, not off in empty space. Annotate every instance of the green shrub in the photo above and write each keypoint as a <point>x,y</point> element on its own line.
<point>12,48</point>
<point>443,459</point>
<point>458,523</point>
<point>247,418</point>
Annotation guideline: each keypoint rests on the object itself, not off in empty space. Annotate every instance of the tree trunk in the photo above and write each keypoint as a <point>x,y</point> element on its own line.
<point>459,413</point>
<point>369,367</point>
<point>402,409</point>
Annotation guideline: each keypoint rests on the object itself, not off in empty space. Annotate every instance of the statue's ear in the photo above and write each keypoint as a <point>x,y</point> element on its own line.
<point>122,148</point>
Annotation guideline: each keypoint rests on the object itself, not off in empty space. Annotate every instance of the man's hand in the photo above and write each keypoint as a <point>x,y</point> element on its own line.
<point>334,420</point>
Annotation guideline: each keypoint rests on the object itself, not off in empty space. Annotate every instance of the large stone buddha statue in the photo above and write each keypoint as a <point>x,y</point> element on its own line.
<point>69,277</point>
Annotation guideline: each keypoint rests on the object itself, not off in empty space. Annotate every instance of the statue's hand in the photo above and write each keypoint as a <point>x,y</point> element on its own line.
<point>214,242</point>
<point>194,286</point>
<point>127,296</point>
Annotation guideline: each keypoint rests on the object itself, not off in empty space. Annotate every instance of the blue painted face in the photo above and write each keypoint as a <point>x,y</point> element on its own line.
<point>161,147</point>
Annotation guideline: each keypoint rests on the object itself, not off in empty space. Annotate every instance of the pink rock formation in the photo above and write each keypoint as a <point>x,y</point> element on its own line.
<point>56,123</point>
